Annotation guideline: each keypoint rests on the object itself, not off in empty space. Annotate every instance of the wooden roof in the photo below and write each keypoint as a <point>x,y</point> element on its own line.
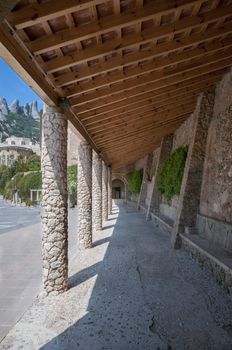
<point>128,71</point>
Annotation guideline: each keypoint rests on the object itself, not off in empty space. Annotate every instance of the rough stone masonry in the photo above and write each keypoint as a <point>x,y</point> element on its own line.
<point>84,198</point>
<point>54,204</point>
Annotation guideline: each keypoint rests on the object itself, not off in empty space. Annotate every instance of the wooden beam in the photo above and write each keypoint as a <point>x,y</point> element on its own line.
<point>22,63</point>
<point>127,18</point>
<point>127,117</point>
<point>83,132</point>
<point>162,118</point>
<point>152,101</point>
<point>36,13</point>
<point>6,7</point>
<point>141,140</point>
<point>106,48</point>
<point>178,75</point>
<point>132,103</point>
<point>160,62</point>
<point>143,77</point>
<point>107,104</point>
<point>144,133</point>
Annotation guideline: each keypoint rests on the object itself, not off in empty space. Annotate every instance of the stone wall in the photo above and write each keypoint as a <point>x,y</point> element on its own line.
<point>183,134</point>
<point>216,193</point>
<point>181,137</point>
<point>223,98</point>
<point>150,184</point>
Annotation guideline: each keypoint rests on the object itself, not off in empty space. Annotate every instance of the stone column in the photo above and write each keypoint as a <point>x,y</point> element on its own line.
<point>6,7</point>
<point>104,191</point>
<point>109,190</point>
<point>84,195</point>
<point>165,150</point>
<point>146,175</point>
<point>54,202</point>
<point>189,200</point>
<point>96,192</point>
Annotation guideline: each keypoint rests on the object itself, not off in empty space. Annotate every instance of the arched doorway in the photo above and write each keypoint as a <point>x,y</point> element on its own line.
<point>118,189</point>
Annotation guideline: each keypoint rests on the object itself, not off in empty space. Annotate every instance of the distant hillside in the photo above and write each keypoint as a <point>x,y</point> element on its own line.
<point>21,121</point>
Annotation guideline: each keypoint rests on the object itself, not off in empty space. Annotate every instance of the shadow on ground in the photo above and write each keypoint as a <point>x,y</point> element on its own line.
<point>147,296</point>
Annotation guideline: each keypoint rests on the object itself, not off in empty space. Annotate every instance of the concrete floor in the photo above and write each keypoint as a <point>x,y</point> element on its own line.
<point>20,260</point>
<point>131,291</point>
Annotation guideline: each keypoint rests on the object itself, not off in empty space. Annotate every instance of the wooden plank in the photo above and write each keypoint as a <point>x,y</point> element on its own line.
<point>22,63</point>
<point>178,75</point>
<point>149,119</point>
<point>106,48</point>
<point>163,119</point>
<point>145,136</point>
<point>125,78</point>
<point>118,115</point>
<point>134,134</point>
<point>125,118</point>
<point>127,18</point>
<point>160,62</point>
<point>121,99</point>
<point>36,13</point>
<point>116,108</point>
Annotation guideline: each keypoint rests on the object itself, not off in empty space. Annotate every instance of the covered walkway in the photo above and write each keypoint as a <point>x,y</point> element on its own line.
<point>130,291</point>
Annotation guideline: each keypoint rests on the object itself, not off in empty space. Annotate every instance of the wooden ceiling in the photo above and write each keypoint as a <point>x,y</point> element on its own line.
<point>127,71</point>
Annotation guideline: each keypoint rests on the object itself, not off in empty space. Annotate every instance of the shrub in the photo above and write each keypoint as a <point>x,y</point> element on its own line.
<point>5,176</point>
<point>31,164</point>
<point>72,185</point>
<point>72,179</point>
<point>23,184</point>
<point>135,180</point>
<point>171,174</point>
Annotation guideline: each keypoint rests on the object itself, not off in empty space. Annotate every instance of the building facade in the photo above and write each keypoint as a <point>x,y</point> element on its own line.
<point>17,147</point>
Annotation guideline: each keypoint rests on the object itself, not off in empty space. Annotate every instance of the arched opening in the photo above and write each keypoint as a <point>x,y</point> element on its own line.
<point>118,189</point>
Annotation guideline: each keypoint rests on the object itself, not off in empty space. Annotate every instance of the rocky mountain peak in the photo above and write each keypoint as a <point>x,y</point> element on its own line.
<point>34,110</point>
<point>3,106</point>
<point>14,106</point>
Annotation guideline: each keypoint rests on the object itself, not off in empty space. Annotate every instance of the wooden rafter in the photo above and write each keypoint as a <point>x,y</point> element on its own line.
<point>129,71</point>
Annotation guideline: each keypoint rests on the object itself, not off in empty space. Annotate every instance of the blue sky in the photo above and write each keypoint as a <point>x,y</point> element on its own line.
<point>13,87</point>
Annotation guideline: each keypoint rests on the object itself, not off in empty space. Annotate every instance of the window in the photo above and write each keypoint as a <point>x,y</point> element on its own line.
<point>13,142</point>
<point>22,142</point>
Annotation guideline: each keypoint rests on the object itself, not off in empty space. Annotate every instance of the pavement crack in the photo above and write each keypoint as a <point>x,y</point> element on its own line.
<point>153,329</point>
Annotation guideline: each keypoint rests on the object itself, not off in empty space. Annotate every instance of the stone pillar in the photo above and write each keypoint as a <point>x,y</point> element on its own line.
<point>104,191</point>
<point>165,150</point>
<point>109,190</point>
<point>146,178</point>
<point>189,200</point>
<point>6,7</point>
<point>84,195</point>
<point>54,202</point>
<point>96,192</point>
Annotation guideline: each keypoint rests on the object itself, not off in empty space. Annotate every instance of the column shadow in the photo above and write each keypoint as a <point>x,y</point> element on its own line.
<point>146,296</point>
<point>116,316</point>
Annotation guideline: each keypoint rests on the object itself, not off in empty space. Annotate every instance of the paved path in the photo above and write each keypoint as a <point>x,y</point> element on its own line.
<point>20,260</point>
<point>131,291</point>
